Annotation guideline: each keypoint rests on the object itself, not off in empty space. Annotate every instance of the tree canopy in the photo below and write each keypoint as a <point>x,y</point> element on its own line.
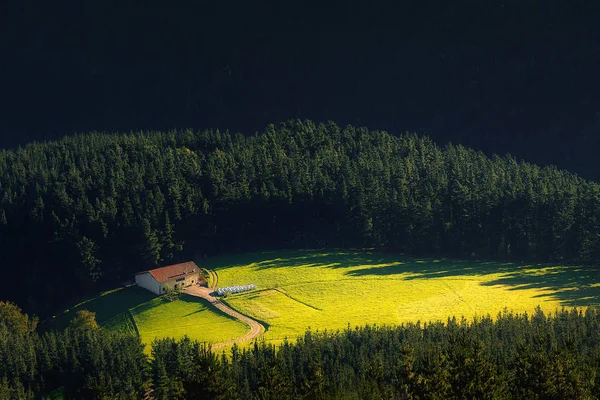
<point>15,320</point>
<point>513,356</point>
<point>84,320</point>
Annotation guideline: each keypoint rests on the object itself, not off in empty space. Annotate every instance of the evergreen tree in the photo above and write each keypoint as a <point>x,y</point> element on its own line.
<point>89,263</point>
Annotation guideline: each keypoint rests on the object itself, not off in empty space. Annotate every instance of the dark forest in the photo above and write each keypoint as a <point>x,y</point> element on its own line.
<point>512,357</point>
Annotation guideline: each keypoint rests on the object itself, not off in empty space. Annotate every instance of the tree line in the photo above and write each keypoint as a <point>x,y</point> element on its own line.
<point>81,362</point>
<point>88,211</point>
<point>513,356</point>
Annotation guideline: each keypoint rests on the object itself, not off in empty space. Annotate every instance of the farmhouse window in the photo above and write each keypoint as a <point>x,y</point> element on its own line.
<point>179,279</point>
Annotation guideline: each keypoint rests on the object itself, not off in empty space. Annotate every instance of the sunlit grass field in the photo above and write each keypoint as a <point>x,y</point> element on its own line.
<point>329,290</point>
<point>136,310</point>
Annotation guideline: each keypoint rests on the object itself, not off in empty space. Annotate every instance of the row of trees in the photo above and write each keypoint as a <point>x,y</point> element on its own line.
<point>90,210</point>
<point>514,356</point>
<point>82,362</point>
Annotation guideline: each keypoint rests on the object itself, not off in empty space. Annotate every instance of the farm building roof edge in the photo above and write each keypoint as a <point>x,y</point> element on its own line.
<point>163,274</point>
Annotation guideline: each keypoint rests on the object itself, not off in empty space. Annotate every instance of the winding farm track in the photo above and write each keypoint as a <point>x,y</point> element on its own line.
<point>256,329</point>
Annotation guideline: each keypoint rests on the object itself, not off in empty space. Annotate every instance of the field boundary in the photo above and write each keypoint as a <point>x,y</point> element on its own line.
<point>283,292</point>
<point>452,290</point>
<point>132,318</point>
<point>265,326</point>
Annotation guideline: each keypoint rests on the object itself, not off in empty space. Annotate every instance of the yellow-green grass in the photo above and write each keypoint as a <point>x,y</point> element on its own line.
<point>329,290</point>
<point>137,310</point>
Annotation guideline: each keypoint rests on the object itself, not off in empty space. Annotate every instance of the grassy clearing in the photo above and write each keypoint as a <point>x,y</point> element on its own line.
<point>189,316</point>
<point>137,310</point>
<point>329,290</point>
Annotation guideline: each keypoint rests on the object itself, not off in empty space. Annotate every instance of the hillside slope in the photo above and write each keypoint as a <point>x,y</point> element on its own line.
<point>90,210</point>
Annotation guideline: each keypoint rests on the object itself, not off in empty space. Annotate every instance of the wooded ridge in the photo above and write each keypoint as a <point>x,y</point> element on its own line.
<point>87,211</point>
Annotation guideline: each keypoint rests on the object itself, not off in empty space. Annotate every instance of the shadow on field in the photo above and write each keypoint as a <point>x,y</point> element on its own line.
<point>107,306</point>
<point>206,307</point>
<point>573,286</point>
<point>304,258</point>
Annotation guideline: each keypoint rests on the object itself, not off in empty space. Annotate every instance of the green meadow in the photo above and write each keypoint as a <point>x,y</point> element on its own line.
<point>137,310</point>
<point>331,289</point>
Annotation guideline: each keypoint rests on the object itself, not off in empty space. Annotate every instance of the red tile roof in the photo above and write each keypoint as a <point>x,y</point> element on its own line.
<point>169,272</point>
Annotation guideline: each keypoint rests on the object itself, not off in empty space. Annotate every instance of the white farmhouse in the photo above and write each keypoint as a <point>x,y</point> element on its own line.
<point>161,280</point>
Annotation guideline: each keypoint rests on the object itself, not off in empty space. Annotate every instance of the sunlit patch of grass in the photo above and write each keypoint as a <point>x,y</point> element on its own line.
<point>329,290</point>
<point>189,316</point>
<point>140,312</point>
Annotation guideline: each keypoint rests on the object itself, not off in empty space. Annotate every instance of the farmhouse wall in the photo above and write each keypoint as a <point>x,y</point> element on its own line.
<point>188,281</point>
<point>146,281</point>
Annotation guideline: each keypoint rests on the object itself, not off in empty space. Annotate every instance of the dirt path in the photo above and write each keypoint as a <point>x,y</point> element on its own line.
<point>256,328</point>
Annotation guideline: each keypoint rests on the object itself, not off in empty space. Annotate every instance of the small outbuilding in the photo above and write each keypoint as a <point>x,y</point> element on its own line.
<point>161,280</point>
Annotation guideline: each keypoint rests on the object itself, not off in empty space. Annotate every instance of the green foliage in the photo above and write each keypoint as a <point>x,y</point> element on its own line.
<point>84,319</point>
<point>79,363</point>
<point>89,262</point>
<point>151,247</point>
<point>172,294</point>
<point>15,320</point>
<point>514,356</point>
